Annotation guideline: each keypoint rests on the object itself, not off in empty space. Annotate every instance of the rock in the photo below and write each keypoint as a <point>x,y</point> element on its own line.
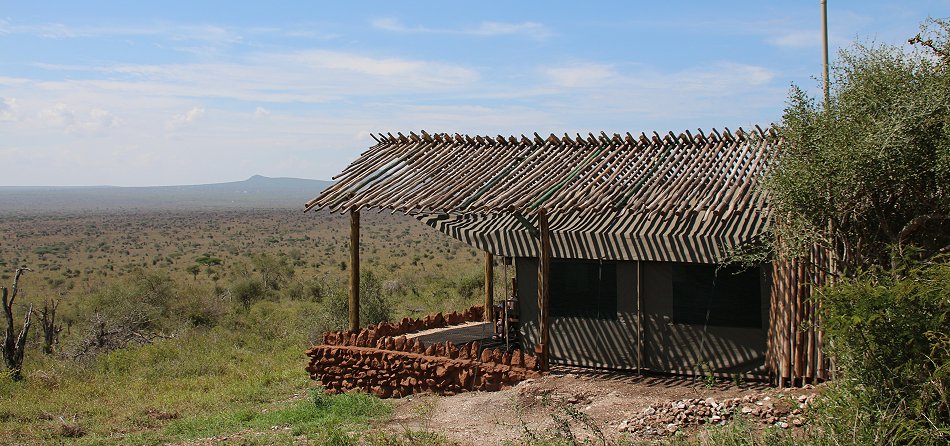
<point>517,359</point>
<point>399,343</point>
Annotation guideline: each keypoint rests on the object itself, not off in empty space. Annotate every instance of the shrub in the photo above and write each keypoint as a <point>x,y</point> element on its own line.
<point>889,335</point>
<point>374,306</point>
<point>247,291</point>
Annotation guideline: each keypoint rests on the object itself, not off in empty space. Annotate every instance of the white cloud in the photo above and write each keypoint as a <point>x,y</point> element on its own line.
<point>308,76</point>
<point>387,70</point>
<point>97,121</point>
<point>204,33</point>
<point>90,122</point>
<point>797,39</point>
<point>174,32</point>
<point>391,24</point>
<point>9,110</point>
<point>184,119</point>
<point>261,112</point>
<point>583,75</point>
<point>532,30</point>
<point>59,115</point>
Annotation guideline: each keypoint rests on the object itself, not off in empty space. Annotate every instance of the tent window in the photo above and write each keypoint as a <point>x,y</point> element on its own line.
<point>583,289</point>
<point>732,297</point>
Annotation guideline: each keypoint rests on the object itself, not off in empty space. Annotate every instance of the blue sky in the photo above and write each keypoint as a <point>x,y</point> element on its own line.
<point>184,92</point>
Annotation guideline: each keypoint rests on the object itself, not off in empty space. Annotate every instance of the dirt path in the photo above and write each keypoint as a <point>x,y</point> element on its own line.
<point>605,398</point>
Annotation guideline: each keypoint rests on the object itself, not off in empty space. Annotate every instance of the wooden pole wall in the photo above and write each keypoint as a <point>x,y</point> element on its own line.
<point>354,302</point>
<point>489,287</point>
<point>544,291</point>
<point>795,352</point>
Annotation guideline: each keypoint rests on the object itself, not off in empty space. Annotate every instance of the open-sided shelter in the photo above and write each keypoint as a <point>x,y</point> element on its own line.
<point>617,242</point>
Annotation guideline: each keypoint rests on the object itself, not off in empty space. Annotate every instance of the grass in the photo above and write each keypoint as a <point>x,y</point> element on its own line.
<point>226,370</point>
<point>200,385</point>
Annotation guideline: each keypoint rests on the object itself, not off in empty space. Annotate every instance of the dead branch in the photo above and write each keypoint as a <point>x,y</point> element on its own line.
<point>13,346</point>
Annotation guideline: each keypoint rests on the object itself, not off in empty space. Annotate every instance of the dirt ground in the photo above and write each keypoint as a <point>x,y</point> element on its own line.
<point>604,398</point>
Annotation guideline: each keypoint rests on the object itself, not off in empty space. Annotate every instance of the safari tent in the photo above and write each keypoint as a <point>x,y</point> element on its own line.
<point>617,242</point>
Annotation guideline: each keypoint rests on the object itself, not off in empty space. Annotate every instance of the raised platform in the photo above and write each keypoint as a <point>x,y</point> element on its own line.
<point>456,334</point>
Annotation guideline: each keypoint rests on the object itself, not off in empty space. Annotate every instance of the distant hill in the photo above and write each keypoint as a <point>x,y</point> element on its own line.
<point>256,192</point>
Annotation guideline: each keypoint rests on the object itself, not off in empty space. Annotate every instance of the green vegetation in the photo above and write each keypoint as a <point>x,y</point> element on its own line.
<point>866,178</point>
<point>155,351</point>
<point>890,338</point>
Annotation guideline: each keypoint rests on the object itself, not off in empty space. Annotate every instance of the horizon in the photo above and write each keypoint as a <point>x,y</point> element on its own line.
<point>69,186</point>
<point>146,95</point>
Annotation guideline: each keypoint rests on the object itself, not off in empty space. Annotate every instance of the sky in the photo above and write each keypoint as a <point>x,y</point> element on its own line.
<point>136,93</point>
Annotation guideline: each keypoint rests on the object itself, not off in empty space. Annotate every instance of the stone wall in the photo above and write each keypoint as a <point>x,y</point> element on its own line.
<point>379,359</point>
<point>367,337</point>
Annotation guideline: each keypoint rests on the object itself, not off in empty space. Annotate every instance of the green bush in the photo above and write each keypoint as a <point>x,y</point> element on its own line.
<point>248,291</point>
<point>889,336</point>
<point>374,306</point>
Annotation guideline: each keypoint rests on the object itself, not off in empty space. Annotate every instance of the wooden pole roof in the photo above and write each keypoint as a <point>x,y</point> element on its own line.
<point>712,173</point>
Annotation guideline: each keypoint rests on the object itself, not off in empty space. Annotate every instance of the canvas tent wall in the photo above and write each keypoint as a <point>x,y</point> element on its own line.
<point>647,328</point>
<point>682,198</point>
<point>643,253</point>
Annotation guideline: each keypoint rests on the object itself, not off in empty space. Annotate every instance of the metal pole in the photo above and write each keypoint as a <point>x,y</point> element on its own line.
<point>824,34</point>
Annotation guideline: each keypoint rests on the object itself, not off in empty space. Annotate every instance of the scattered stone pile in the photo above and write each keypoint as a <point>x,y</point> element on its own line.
<point>367,337</point>
<point>667,418</point>
<point>380,360</point>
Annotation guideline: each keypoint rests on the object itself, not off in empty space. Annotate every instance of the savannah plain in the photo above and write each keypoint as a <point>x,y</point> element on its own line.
<point>182,325</point>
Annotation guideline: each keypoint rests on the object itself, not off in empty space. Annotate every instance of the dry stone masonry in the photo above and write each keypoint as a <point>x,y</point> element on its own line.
<point>381,360</point>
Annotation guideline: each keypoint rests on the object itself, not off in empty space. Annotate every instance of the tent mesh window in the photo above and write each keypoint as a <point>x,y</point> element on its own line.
<point>729,297</point>
<point>583,289</point>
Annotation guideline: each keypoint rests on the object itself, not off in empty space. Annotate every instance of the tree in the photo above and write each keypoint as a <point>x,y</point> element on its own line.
<point>868,176</point>
<point>375,307</point>
<point>13,346</point>
<point>194,270</point>
<point>274,271</point>
<point>48,323</point>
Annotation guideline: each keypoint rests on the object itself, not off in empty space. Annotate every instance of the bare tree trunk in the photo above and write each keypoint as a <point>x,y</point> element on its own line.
<point>13,346</point>
<point>48,323</point>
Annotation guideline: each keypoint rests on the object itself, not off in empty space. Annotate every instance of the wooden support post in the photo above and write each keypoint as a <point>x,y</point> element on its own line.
<point>354,303</point>
<point>544,290</point>
<point>489,287</point>
<point>639,317</point>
